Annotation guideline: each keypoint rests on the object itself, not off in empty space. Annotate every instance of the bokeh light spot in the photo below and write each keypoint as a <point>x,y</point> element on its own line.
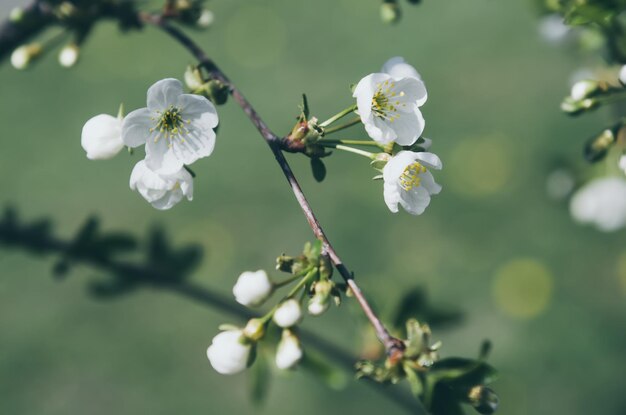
<point>522,288</point>
<point>480,166</point>
<point>249,32</point>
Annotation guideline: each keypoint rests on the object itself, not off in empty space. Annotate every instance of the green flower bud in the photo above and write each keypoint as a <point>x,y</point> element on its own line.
<point>483,399</point>
<point>22,57</point>
<point>254,330</point>
<point>390,12</point>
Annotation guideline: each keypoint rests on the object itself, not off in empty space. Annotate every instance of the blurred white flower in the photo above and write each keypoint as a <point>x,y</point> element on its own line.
<point>397,68</point>
<point>288,313</point>
<point>101,137</point>
<point>622,75</point>
<point>317,306</point>
<point>289,352</point>
<point>229,352</point>
<point>581,89</point>
<point>602,203</point>
<point>69,55</point>
<point>176,128</point>
<point>25,54</point>
<point>622,163</point>
<point>252,288</point>
<point>408,182</point>
<point>160,190</point>
<point>389,107</point>
<point>320,301</point>
<point>553,29</point>
<point>206,19</point>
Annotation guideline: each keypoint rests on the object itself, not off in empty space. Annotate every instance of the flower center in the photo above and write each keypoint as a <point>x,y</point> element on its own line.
<point>385,101</point>
<point>409,178</point>
<point>170,124</point>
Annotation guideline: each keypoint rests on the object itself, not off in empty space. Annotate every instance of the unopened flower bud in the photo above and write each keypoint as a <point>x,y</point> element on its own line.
<point>216,91</point>
<point>483,399</point>
<point>16,15</point>
<point>583,89</point>
<point>206,19</point>
<point>193,78</point>
<point>252,288</point>
<point>229,352</point>
<point>69,55</point>
<point>255,329</point>
<point>101,137</point>
<point>321,299</point>
<point>24,55</point>
<point>390,11</point>
<point>288,313</point>
<point>289,352</point>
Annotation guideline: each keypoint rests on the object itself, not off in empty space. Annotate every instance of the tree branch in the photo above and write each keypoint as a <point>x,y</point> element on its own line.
<point>393,346</point>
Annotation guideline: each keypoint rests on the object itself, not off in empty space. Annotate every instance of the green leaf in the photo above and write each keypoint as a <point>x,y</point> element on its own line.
<point>318,168</point>
<point>462,373</point>
<point>589,13</point>
<point>597,147</point>
<point>414,381</point>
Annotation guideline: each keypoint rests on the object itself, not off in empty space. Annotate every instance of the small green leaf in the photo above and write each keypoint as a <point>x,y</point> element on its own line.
<point>318,168</point>
<point>414,381</point>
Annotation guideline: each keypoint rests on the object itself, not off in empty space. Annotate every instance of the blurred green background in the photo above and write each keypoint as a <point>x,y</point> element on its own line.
<point>549,293</point>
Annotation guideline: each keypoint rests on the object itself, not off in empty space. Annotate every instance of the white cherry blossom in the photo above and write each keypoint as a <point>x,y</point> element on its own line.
<point>601,203</point>
<point>408,182</point>
<point>160,190</point>
<point>389,107</point>
<point>397,68</point>
<point>176,128</point>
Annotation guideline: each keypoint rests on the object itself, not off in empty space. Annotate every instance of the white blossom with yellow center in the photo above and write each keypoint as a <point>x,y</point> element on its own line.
<point>176,128</point>
<point>161,191</point>
<point>408,182</point>
<point>389,107</point>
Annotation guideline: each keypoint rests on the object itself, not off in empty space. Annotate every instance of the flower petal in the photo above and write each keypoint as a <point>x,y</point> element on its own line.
<point>164,93</point>
<point>197,143</point>
<point>198,109</point>
<point>429,160</point>
<point>136,127</point>
<point>397,68</point>
<point>408,127</point>
<point>415,201</point>
<point>161,158</point>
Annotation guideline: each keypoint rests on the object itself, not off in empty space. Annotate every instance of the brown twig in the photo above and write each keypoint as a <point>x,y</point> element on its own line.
<point>393,346</point>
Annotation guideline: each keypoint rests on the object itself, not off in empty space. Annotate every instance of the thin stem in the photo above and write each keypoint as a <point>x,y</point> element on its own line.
<point>305,279</point>
<point>342,126</point>
<point>287,281</point>
<point>338,116</point>
<point>349,149</point>
<point>365,143</point>
<point>393,346</point>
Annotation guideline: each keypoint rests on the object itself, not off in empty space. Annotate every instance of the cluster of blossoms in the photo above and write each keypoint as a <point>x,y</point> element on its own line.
<point>234,349</point>
<point>388,104</point>
<point>176,129</point>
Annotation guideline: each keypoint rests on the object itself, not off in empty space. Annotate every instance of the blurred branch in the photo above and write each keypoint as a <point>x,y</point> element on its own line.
<point>393,346</point>
<point>36,17</point>
<point>163,268</point>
